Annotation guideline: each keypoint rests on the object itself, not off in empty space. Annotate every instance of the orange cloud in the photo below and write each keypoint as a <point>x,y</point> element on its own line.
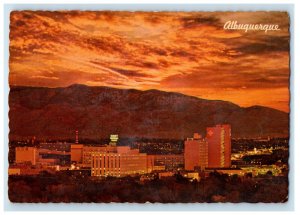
<point>162,50</point>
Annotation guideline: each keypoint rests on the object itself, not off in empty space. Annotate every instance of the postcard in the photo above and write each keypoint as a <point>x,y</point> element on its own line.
<point>149,106</point>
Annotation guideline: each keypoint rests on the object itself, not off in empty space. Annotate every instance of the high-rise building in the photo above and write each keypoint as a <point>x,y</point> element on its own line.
<point>195,153</point>
<point>219,146</point>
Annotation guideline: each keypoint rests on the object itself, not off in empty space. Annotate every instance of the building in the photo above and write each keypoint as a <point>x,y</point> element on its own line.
<point>53,156</point>
<point>26,155</point>
<point>76,153</point>
<point>228,171</point>
<point>14,171</point>
<point>193,176</point>
<point>219,146</point>
<point>195,153</point>
<point>118,163</point>
<point>40,156</point>
<point>24,169</point>
<point>48,161</point>
<point>76,150</point>
<point>162,175</point>
<point>88,150</point>
<point>167,162</point>
<point>82,154</point>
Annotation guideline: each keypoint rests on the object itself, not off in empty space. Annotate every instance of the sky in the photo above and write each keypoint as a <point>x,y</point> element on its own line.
<point>186,52</point>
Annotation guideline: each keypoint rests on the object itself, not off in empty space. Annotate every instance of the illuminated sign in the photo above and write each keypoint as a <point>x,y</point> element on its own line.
<point>114,137</point>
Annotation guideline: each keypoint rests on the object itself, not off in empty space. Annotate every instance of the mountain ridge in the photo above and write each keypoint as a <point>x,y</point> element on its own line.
<point>100,111</point>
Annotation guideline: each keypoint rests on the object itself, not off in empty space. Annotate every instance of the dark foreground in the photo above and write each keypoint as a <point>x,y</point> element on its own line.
<point>64,187</point>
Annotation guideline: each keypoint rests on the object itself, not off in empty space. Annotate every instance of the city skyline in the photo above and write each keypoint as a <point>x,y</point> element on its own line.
<point>195,107</point>
<point>186,52</point>
<point>205,170</point>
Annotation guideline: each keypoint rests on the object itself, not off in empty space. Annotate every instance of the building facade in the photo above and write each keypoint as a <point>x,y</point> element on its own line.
<point>195,153</point>
<point>219,146</point>
<point>88,150</point>
<point>121,162</point>
<point>26,155</point>
<point>76,153</point>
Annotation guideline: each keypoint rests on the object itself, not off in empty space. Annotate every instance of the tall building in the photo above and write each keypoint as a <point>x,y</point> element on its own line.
<point>27,155</point>
<point>219,146</point>
<point>195,153</point>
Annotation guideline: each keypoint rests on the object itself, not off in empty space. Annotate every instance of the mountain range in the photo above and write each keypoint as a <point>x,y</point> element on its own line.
<point>97,112</point>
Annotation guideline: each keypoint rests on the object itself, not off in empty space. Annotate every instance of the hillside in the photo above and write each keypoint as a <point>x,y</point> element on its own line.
<point>99,111</point>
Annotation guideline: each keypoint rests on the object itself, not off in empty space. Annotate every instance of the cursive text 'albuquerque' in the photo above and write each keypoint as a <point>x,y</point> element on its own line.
<point>234,25</point>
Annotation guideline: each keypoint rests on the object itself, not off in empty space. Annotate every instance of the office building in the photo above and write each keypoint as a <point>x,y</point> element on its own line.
<point>219,146</point>
<point>121,162</point>
<point>88,150</point>
<point>195,153</point>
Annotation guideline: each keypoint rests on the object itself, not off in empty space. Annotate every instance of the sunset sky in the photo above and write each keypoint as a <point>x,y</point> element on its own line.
<point>187,52</point>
